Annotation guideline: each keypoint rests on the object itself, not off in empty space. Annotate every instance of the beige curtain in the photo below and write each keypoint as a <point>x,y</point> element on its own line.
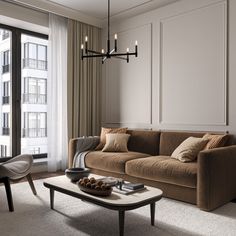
<point>84,81</point>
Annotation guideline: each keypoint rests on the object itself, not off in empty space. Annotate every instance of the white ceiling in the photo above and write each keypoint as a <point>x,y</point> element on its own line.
<point>94,11</point>
<point>98,8</point>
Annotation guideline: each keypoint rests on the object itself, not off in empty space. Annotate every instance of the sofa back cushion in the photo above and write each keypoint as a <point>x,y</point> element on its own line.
<point>169,141</point>
<point>145,141</point>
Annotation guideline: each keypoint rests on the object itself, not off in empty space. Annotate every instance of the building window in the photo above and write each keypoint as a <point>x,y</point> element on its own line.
<point>5,123</point>
<point>6,92</point>
<point>35,124</point>
<point>35,90</point>
<point>35,150</point>
<point>6,61</point>
<point>35,56</point>
<point>5,34</point>
<point>3,150</point>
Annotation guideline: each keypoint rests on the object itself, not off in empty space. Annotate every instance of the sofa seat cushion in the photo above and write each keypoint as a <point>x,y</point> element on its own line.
<point>111,161</point>
<point>164,169</point>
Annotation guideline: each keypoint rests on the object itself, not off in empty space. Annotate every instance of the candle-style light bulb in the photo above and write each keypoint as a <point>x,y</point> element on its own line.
<point>82,51</point>
<point>86,44</point>
<point>127,50</point>
<point>115,37</point>
<point>136,43</point>
<point>102,50</point>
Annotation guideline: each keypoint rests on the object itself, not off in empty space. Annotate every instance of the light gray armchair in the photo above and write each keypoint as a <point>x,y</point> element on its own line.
<point>15,169</point>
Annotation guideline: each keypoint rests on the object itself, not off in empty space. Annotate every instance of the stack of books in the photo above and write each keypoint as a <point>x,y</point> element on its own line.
<point>123,187</point>
<point>129,188</point>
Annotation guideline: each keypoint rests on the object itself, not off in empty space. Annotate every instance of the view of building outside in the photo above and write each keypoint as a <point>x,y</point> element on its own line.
<point>5,75</point>
<point>33,94</point>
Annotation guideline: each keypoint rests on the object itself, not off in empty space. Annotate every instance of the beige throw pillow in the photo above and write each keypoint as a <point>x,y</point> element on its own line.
<point>215,140</point>
<point>188,150</point>
<point>105,131</point>
<point>116,143</point>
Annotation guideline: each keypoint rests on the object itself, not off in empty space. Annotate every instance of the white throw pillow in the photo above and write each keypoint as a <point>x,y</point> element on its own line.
<point>188,150</point>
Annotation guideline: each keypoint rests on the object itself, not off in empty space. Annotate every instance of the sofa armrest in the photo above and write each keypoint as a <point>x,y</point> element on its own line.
<point>71,151</point>
<point>216,178</point>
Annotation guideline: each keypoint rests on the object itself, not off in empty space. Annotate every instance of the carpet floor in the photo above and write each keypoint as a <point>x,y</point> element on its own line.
<point>33,216</point>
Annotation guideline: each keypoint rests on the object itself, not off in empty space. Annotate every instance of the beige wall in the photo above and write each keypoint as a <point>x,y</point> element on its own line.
<point>184,77</point>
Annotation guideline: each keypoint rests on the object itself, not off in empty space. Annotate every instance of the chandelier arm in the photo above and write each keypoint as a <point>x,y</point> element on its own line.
<point>113,50</point>
<point>122,58</point>
<point>97,55</point>
<point>123,54</point>
<point>95,52</point>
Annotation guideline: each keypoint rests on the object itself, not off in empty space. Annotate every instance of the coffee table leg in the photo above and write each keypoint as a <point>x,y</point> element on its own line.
<point>51,198</point>
<point>152,208</point>
<point>121,222</point>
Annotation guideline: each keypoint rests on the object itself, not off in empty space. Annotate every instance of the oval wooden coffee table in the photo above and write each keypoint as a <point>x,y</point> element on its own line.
<point>115,201</point>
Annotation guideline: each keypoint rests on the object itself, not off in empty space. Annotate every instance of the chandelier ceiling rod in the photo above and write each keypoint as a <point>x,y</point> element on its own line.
<point>109,53</point>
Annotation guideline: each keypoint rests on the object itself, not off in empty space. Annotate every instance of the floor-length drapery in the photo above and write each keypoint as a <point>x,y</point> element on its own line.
<point>84,81</point>
<point>57,93</point>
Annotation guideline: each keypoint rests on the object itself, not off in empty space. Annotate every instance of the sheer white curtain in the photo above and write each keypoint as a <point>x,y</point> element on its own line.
<point>57,93</point>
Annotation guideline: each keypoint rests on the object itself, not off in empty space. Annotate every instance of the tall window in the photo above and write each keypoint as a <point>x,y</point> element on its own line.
<point>23,92</point>
<point>34,94</point>
<point>5,88</point>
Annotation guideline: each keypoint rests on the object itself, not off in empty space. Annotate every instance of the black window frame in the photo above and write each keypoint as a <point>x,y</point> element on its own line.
<point>15,88</point>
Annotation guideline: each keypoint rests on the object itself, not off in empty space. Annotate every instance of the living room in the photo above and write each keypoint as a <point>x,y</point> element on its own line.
<point>145,80</point>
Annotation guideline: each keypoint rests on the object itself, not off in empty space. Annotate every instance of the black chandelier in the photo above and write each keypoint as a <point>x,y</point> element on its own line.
<point>110,52</point>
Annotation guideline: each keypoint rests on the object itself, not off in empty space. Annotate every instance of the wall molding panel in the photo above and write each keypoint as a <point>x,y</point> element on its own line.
<point>193,67</point>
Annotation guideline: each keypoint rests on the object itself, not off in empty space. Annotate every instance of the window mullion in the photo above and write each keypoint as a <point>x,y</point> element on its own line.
<point>16,93</point>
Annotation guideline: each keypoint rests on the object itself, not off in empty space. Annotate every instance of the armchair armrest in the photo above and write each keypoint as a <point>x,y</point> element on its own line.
<point>216,178</point>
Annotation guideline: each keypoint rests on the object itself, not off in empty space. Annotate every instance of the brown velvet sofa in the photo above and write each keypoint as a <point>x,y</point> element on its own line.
<point>208,182</point>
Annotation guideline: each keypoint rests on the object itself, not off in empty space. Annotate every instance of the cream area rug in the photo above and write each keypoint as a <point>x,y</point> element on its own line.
<point>33,217</point>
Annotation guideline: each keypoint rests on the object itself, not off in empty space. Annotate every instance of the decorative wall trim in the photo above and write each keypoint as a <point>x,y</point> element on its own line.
<point>225,67</point>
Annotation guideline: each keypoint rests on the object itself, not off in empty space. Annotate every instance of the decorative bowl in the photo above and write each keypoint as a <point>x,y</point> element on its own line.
<point>95,192</point>
<point>75,174</point>
<point>94,186</point>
